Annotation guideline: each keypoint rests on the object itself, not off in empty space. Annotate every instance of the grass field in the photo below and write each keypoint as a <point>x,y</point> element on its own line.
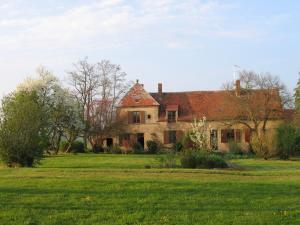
<point>117,189</point>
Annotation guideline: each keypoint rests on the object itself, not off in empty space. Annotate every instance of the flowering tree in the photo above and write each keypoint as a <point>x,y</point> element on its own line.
<point>198,134</point>
<point>62,114</point>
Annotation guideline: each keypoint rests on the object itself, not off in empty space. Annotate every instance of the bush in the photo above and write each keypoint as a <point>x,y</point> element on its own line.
<point>116,149</point>
<point>153,147</point>
<point>97,149</point>
<point>287,140</point>
<point>77,147</point>
<point>177,147</point>
<point>199,159</point>
<point>137,148</point>
<point>168,160</point>
<point>235,148</point>
<point>263,145</point>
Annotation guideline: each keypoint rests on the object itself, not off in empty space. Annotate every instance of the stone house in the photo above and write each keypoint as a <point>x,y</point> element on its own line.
<point>167,116</point>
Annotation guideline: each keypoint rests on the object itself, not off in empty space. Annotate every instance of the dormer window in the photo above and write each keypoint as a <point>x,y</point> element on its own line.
<point>171,116</point>
<point>172,113</point>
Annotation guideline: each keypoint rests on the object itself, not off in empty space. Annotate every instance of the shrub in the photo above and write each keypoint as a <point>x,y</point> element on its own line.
<point>168,160</point>
<point>137,148</point>
<point>153,147</point>
<point>263,145</point>
<point>187,143</point>
<point>177,147</point>
<point>97,149</point>
<point>77,147</point>
<point>235,148</point>
<point>200,159</point>
<point>287,139</point>
<point>116,149</point>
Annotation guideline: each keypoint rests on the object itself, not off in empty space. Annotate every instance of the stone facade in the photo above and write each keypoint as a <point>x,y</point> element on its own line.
<point>146,117</point>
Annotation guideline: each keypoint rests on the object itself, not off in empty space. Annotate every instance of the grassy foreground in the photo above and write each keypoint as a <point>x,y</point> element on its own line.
<point>116,189</point>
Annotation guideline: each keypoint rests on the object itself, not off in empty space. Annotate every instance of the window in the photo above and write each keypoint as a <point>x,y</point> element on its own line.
<point>171,116</point>
<point>214,139</point>
<point>136,117</point>
<point>172,137</point>
<point>238,136</point>
<point>227,135</point>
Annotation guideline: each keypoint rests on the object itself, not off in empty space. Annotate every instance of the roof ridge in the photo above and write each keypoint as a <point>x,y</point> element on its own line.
<point>180,92</point>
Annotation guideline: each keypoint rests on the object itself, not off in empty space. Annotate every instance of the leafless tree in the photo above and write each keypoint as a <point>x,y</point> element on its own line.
<point>85,83</point>
<point>98,88</point>
<point>257,99</point>
<point>112,87</point>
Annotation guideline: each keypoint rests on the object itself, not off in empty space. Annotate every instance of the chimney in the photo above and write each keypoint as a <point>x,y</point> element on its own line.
<point>160,88</point>
<point>238,87</point>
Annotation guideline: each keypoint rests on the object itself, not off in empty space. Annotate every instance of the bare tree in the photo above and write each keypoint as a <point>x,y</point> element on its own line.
<point>257,98</point>
<point>112,87</point>
<point>98,88</point>
<point>85,82</point>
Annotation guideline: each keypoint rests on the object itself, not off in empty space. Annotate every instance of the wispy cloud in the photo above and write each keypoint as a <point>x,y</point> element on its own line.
<point>114,21</point>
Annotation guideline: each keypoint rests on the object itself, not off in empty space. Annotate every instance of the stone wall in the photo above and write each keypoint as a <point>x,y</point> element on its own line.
<point>154,129</point>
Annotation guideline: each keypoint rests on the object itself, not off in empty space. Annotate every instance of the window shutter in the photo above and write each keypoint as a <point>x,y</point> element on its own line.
<point>224,136</point>
<point>179,135</point>
<point>142,117</point>
<point>166,137</point>
<point>247,136</point>
<point>130,118</point>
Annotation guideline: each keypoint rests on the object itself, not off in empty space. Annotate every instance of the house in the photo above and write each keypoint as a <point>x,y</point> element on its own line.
<point>167,116</point>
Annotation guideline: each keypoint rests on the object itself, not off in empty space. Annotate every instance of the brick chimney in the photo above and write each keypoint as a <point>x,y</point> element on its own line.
<point>238,87</point>
<point>160,88</point>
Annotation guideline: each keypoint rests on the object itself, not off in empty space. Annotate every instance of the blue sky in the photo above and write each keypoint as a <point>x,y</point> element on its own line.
<point>186,45</point>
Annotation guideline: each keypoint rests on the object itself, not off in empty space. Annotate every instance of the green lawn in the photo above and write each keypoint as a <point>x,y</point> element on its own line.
<point>117,189</point>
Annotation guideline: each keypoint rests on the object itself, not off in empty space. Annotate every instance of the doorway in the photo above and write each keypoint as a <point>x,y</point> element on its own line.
<point>141,139</point>
<point>109,142</point>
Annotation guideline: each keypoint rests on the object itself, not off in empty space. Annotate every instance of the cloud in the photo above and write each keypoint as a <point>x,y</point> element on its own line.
<point>106,21</point>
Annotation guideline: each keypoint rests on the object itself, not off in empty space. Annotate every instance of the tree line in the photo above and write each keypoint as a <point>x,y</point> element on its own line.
<point>43,111</point>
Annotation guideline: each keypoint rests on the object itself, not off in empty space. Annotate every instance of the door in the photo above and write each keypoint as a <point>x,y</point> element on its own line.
<point>109,142</point>
<point>140,139</point>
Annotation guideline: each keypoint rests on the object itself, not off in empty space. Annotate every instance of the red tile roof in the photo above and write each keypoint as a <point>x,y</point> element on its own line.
<point>214,105</point>
<point>138,97</point>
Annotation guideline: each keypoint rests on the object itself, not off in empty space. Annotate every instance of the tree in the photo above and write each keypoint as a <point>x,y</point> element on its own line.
<point>297,103</point>
<point>85,83</point>
<point>287,137</point>
<point>198,134</point>
<point>98,89</point>
<point>21,138</point>
<point>61,113</point>
<point>112,87</point>
<point>258,98</point>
